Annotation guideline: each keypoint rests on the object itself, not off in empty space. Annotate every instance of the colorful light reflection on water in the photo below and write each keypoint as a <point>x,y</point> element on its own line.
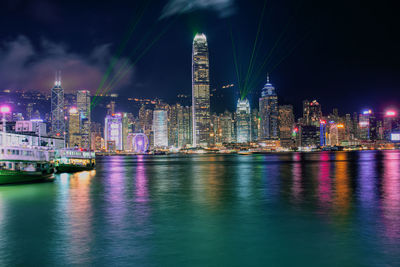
<point>324,209</point>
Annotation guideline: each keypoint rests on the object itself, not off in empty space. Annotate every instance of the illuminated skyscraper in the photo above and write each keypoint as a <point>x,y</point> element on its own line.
<point>83,103</point>
<point>200,92</point>
<point>173,132</point>
<point>390,123</point>
<point>83,106</point>
<point>57,108</point>
<point>227,127</point>
<point>286,125</point>
<point>312,113</point>
<point>367,126</point>
<point>243,121</point>
<point>160,128</point>
<point>113,132</point>
<point>268,105</point>
<point>74,137</point>
<point>185,127</point>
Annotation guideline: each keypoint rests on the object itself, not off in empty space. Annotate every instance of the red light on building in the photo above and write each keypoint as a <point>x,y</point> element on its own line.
<point>323,121</point>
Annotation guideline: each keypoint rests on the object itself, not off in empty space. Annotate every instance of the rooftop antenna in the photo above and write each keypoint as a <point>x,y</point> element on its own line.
<point>58,78</point>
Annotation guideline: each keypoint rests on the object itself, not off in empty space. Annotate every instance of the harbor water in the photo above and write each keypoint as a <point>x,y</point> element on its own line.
<point>278,209</point>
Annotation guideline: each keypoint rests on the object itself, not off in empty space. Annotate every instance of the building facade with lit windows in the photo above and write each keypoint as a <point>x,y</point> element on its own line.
<point>74,136</point>
<point>200,92</point>
<point>113,133</point>
<point>160,128</point>
<point>367,126</point>
<point>312,113</point>
<point>268,105</point>
<point>83,106</point>
<point>57,108</point>
<point>243,121</point>
<point>286,125</point>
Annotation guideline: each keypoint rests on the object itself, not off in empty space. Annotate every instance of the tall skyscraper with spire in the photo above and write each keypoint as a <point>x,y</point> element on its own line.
<point>200,92</point>
<point>269,112</point>
<point>57,107</point>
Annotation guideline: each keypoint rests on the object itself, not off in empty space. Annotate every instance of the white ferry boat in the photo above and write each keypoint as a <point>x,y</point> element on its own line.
<point>22,164</point>
<point>74,160</point>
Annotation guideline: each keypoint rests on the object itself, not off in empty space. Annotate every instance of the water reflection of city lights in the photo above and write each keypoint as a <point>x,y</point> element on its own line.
<point>391,194</point>
<point>324,181</point>
<point>342,187</point>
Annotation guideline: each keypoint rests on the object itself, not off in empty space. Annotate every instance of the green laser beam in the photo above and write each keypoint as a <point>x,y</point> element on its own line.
<point>121,48</point>
<point>292,50</point>
<point>235,60</point>
<point>140,56</point>
<point>254,46</point>
<point>256,76</point>
<point>125,64</point>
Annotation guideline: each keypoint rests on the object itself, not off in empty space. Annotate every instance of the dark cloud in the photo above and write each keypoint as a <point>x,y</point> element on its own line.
<point>224,8</point>
<point>23,66</point>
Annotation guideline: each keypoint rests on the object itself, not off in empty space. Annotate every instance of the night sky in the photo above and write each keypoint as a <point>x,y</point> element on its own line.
<point>343,53</point>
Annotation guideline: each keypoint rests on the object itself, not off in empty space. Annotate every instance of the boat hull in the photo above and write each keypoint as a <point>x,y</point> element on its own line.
<point>69,168</point>
<point>14,177</point>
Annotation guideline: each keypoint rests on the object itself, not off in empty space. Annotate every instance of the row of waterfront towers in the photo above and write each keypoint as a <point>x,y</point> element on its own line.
<point>268,103</point>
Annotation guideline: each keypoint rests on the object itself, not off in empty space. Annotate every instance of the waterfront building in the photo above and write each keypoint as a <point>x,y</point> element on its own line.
<point>367,126</point>
<point>173,133</point>
<point>57,108</point>
<point>96,139</point>
<point>268,105</point>
<point>214,126</point>
<point>146,123</point>
<point>83,106</point>
<point>227,127</point>
<point>255,125</point>
<point>312,113</point>
<point>200,92</point>
<point>160,128</point>
<point>349,131</point>
<point>83,103</point>
<point>336,134</point>
<point>286,123</point>
<point>113,134</point>
<point>126,129</point>
<point>184,126</point>
<point>74,136</point>
<point>138,143</point>
<point>391,123</point>
<point>356,134</point>
<point>322,133</point>
<point>243,121</point>
<point>309,136</point>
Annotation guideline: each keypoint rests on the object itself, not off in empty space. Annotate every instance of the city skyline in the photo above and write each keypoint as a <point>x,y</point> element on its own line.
<point>339,69</point>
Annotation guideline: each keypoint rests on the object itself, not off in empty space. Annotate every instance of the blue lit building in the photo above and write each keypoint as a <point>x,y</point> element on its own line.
<point>269,113</point>
<point>160,128</point>
<point>243,121</point>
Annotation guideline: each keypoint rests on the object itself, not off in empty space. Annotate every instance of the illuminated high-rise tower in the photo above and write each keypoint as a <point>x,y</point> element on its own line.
<point>83,106</point>
<point>57,107</point>
<point>200,92</point>
<point>269,112</point>
<point>74,137</point>
<point>243,121</point>
<point>160,128</point>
